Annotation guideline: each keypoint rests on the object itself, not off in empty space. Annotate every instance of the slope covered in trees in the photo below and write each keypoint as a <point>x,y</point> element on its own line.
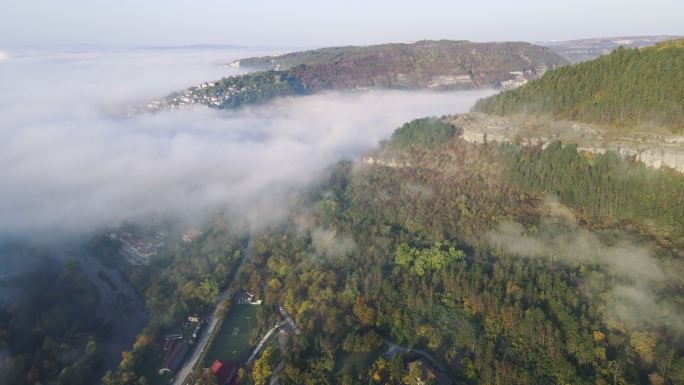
<point>628,88</point>
<point>425,273</point>
<point>425,132</point>
<point>603,187</point>
<point>406,64</point>
<point>426,64</point>
<point>587,49</point>
<point>51,333</point>
<point>432,64</point>
<point>504,264</point>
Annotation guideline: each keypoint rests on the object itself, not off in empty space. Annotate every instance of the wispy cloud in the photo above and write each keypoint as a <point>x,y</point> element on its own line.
<point>636,276</point>
<point>71,161</point>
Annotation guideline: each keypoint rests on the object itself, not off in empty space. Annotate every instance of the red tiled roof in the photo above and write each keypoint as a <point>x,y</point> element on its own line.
<point>224,371</point>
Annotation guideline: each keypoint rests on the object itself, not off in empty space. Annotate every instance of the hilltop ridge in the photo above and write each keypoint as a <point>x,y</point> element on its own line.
<point>587,49</point>
<point>434,65</point>
<point>422,64</point>
<point>627,89</point>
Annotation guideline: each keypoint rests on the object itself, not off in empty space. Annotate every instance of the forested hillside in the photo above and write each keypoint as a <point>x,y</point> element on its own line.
<point>51,333</point>
<point>628,88</point>
<point>509,265</point>
<point>440,65</point>
<point>502,264</point>
<point>425,132</point>
<point>427,53</point>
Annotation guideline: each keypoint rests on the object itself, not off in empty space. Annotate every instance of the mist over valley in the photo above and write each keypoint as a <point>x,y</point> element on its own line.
<point>395,193</point>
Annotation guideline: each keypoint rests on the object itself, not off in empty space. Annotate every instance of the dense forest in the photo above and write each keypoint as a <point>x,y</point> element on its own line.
<point>603,187</point>
<point>428,269</point>
<point>627,88</point>
<point>51,333</point>
<point>425,132</point>
<point>496,263</point>
<point>502,264</point>
<point>413,64</point>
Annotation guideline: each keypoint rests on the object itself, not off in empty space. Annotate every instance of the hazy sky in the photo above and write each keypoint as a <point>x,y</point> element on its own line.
<point>326,22</point>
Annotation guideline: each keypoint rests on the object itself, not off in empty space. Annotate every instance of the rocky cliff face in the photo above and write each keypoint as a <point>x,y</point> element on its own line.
<point>654,150</point>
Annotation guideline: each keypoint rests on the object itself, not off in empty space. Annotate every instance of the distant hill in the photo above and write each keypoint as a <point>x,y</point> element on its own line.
<point>586,49</point>
<point>438,65</point>
<point>422,64</point>
<point>196,47</point>
<point>627,88</point>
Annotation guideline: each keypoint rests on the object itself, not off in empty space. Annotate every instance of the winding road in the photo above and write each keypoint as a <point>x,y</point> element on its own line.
<point>394,349</point>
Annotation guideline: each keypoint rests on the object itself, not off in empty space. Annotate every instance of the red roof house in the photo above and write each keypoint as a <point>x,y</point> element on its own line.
<point>224,372</point>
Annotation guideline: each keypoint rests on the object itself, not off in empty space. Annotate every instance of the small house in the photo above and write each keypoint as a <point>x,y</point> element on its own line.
<point>225,372</point>
<point>426,373</point>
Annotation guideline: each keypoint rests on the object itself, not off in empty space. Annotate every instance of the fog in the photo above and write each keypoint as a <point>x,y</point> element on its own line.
<point>72,161</point>
<point>327,243</point>
<point>636,281</point>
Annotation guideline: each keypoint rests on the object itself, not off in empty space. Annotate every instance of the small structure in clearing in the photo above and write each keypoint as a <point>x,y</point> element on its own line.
<point>246,297</point>
<point>225,372</point>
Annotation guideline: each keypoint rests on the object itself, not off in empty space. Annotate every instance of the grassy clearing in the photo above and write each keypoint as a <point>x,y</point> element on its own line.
<point>232,341</point>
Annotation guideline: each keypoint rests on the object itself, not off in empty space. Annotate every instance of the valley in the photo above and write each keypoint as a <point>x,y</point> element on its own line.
<point>297,224</point>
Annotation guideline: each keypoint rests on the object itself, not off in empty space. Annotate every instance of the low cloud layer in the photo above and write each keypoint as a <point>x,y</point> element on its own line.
<point>328,243</point>
<point>636,280</point>
<point>72,161</point>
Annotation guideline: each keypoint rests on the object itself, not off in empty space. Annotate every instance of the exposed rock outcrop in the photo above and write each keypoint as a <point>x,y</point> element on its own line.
<point>653,150</point>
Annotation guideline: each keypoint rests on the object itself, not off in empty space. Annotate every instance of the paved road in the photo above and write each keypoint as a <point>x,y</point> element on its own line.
<point>201,344</point>
<point>263,341</point>
<point>289,320</point>
<point>212,322</point>
<point>394,349</point>
<point>275,377</point>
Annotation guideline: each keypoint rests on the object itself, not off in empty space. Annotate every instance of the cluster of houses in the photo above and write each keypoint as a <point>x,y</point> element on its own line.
<point>190,235</point>
<point>177,346</point>
<point>246,297</point>
<point>175,357</point>
<point>137,250</point>
<point>518,79</point>
<point>193,95</point>
<point>427,374</point>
